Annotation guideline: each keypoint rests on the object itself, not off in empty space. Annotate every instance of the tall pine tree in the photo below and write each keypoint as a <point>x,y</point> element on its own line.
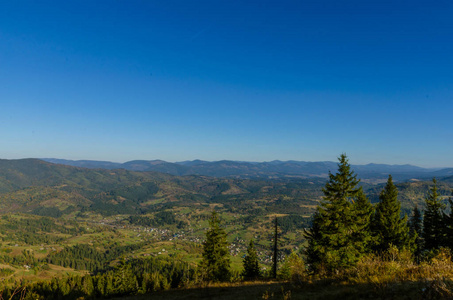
<point>216,258</point>
<point>250,263</point>
<point>334,241</point>
<point>362,211</point>
<point>388,226</point>
<point>448,223</point>
<point>433,220</point>
<point>313,251</point>
<point>275,255</point>
<point>415,228</point>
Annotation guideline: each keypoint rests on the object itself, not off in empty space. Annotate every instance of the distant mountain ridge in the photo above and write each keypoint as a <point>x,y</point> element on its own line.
<point>44,188</point>
<point>272,169</point>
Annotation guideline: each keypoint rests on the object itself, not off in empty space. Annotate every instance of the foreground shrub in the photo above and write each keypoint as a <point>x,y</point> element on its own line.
<point>398,266</point>
<point>293,269</point>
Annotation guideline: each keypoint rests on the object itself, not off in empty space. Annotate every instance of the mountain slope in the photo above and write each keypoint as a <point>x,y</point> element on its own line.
<point>39,187</point>
<point>30,184</point>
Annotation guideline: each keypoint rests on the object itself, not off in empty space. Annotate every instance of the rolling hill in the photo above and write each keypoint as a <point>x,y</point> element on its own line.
<point>28,185</point>
<point>44,188</point>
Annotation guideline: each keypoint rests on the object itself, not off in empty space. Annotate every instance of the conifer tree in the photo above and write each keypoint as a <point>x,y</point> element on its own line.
<point>275,256</point>
<point>415,230</point>
<point>362,211</point>
<point>448,225</point>
<point>388,226</point>
<point>216,257</point>
<point>433,219</point>
<point>332,240</point>
<point>124,279</point>
<point>250,263</point>
<point>87,285</point>
<point>313,251</point>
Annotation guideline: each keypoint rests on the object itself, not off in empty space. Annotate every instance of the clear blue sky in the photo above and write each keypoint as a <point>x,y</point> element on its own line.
<point>241,80</point>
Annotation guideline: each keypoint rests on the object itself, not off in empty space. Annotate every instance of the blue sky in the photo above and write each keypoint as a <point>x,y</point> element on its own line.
<point>241,80</point>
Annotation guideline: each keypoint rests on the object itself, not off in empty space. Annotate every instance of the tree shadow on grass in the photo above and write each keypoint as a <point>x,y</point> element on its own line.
<point>320,290</point>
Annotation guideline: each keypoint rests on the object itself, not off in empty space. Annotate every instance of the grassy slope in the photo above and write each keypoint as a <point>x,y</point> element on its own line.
<point>281,290</point>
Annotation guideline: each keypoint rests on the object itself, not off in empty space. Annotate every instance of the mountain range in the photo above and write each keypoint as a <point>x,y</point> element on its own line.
<point>43,188</point>
<point>270,170</point>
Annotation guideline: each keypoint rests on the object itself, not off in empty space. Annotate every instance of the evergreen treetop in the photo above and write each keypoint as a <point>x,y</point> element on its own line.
<point>433,219</point>
<point>334,240</point>
<point>341,187</point>
<point>448,223</point>
<point>415,222</point>
<point>415,228</point>
<point>250,263</point>
<point>388,226</point>
<point>313,251</point>
<point>216,258</point>
<point>274,254</point>
<point>362,211</point>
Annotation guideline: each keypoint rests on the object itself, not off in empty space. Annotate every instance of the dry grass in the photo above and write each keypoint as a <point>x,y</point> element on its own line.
<point>396,266</point>
<point>393,275</point>
<point>223,291</point>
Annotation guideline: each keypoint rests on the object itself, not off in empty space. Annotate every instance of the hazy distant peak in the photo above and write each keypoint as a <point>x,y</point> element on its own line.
<point>271,169</point>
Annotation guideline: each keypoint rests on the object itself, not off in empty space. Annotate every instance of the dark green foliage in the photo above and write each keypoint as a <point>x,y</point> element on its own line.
<point>141,221</point>
<point>313,251</point>
<point>362,211</point>
<point>388,226</point>
<point>275,250</point>
<point>410,193</point>
<point>448,222</point>
<point>109,209</point>
<point>30,230</point>
<point>415,229</point>
<point>85,257</point>
<point>47,212</point>
<point>138,276</point>
<point>292,222</point>
<point>250,263</point>
<point>24,258</point>
<point>136,193</point>
<point>160,219</point>
<point>215,264</point>
<point>333,240</point>
<point>415,222</point>
<point>433,220</point>
<point>129,196</point>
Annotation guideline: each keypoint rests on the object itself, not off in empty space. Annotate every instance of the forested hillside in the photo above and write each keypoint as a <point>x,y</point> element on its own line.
<point>265,170</point>
<point>42,188</point>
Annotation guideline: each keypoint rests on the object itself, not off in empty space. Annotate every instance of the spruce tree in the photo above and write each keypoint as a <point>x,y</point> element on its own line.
<point>448,225</point>
<point>216,258</point>
<point>362,211</point>
<point>415,230</point>
<point>388,226</point>
<point>333,242</point>
<point>433,219</point>
<point>313,251</point>
<point>250,263</point>
<point>275,256</point>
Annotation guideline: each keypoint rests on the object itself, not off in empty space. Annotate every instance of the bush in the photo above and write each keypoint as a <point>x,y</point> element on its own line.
<point>293,269</point>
